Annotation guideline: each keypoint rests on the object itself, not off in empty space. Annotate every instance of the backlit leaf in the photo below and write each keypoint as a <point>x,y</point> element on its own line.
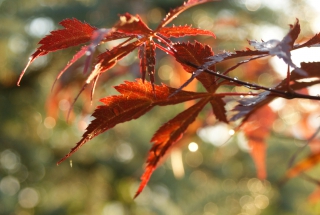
<point>166,136</point>
<point>303,165</point>
<point>283,49</point>
<point>109,58</point>
<point>181,31</point>
<point>132,25</point>
<point>135,100</point>
<point>196,54</point>
<point>74,33</point>
<point>257,128</point>
<point>175,12</point>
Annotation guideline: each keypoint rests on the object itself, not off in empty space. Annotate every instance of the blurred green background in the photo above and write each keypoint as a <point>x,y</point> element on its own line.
<point>103,176</point>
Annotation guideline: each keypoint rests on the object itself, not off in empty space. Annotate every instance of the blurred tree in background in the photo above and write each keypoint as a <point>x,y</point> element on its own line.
<point>208,176</point>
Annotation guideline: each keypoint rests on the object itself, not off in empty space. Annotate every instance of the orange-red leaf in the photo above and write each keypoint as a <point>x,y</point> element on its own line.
<point>181,31</point>
<point>166,136</point>
<point>74,33</point>
<point>256,129</point>
<point>175,12</point>
<point>132,25</point>
<point>303,165</point>
<point>136,99</point>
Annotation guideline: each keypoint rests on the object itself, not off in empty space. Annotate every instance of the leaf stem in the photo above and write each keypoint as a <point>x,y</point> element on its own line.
<point>284,94</point>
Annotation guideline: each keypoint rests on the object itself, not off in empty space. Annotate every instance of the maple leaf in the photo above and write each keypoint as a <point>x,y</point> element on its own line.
<point>75,33</point>
<point>132,25</point>
<point>147,60</point>
<point>303,165</point>
<point>257,128</point>
<point>247,106</point>
<point>314,41</point>
<point>197,54</point>
<point>129,26</point>
<point>166,136</point>
<point>282,49</point>
<point>175,12</point>
<point>135,100</point>
<point>181,31</point>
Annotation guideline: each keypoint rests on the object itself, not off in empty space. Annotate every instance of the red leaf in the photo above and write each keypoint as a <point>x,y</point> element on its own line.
<point>256,129</point>
<point>137,98</point>
<point>197,54</point>
<point>75,33</point>
<point>218,108</point>
<point>132,25</point>
<point>175,12</point>
<point>181,31</point>
<point>166,136</point>
<point>143,61</point>
<point>108,59</point>
<point>147,59</point>
<point>31,59</point>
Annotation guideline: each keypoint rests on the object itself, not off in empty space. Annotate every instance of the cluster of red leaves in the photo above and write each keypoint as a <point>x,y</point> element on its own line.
<point>136,98</point>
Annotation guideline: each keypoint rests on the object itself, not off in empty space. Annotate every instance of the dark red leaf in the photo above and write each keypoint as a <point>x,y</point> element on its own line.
<point>218,108</point>
<point>147,59</point>
<point>315,40</point>
<point>136,99</point>
<point>196,54</point>
<point>166,136</point>
<point>130,24</point>
<point>181,31</point>
<point>311,68</point>
<point>143,61</point>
